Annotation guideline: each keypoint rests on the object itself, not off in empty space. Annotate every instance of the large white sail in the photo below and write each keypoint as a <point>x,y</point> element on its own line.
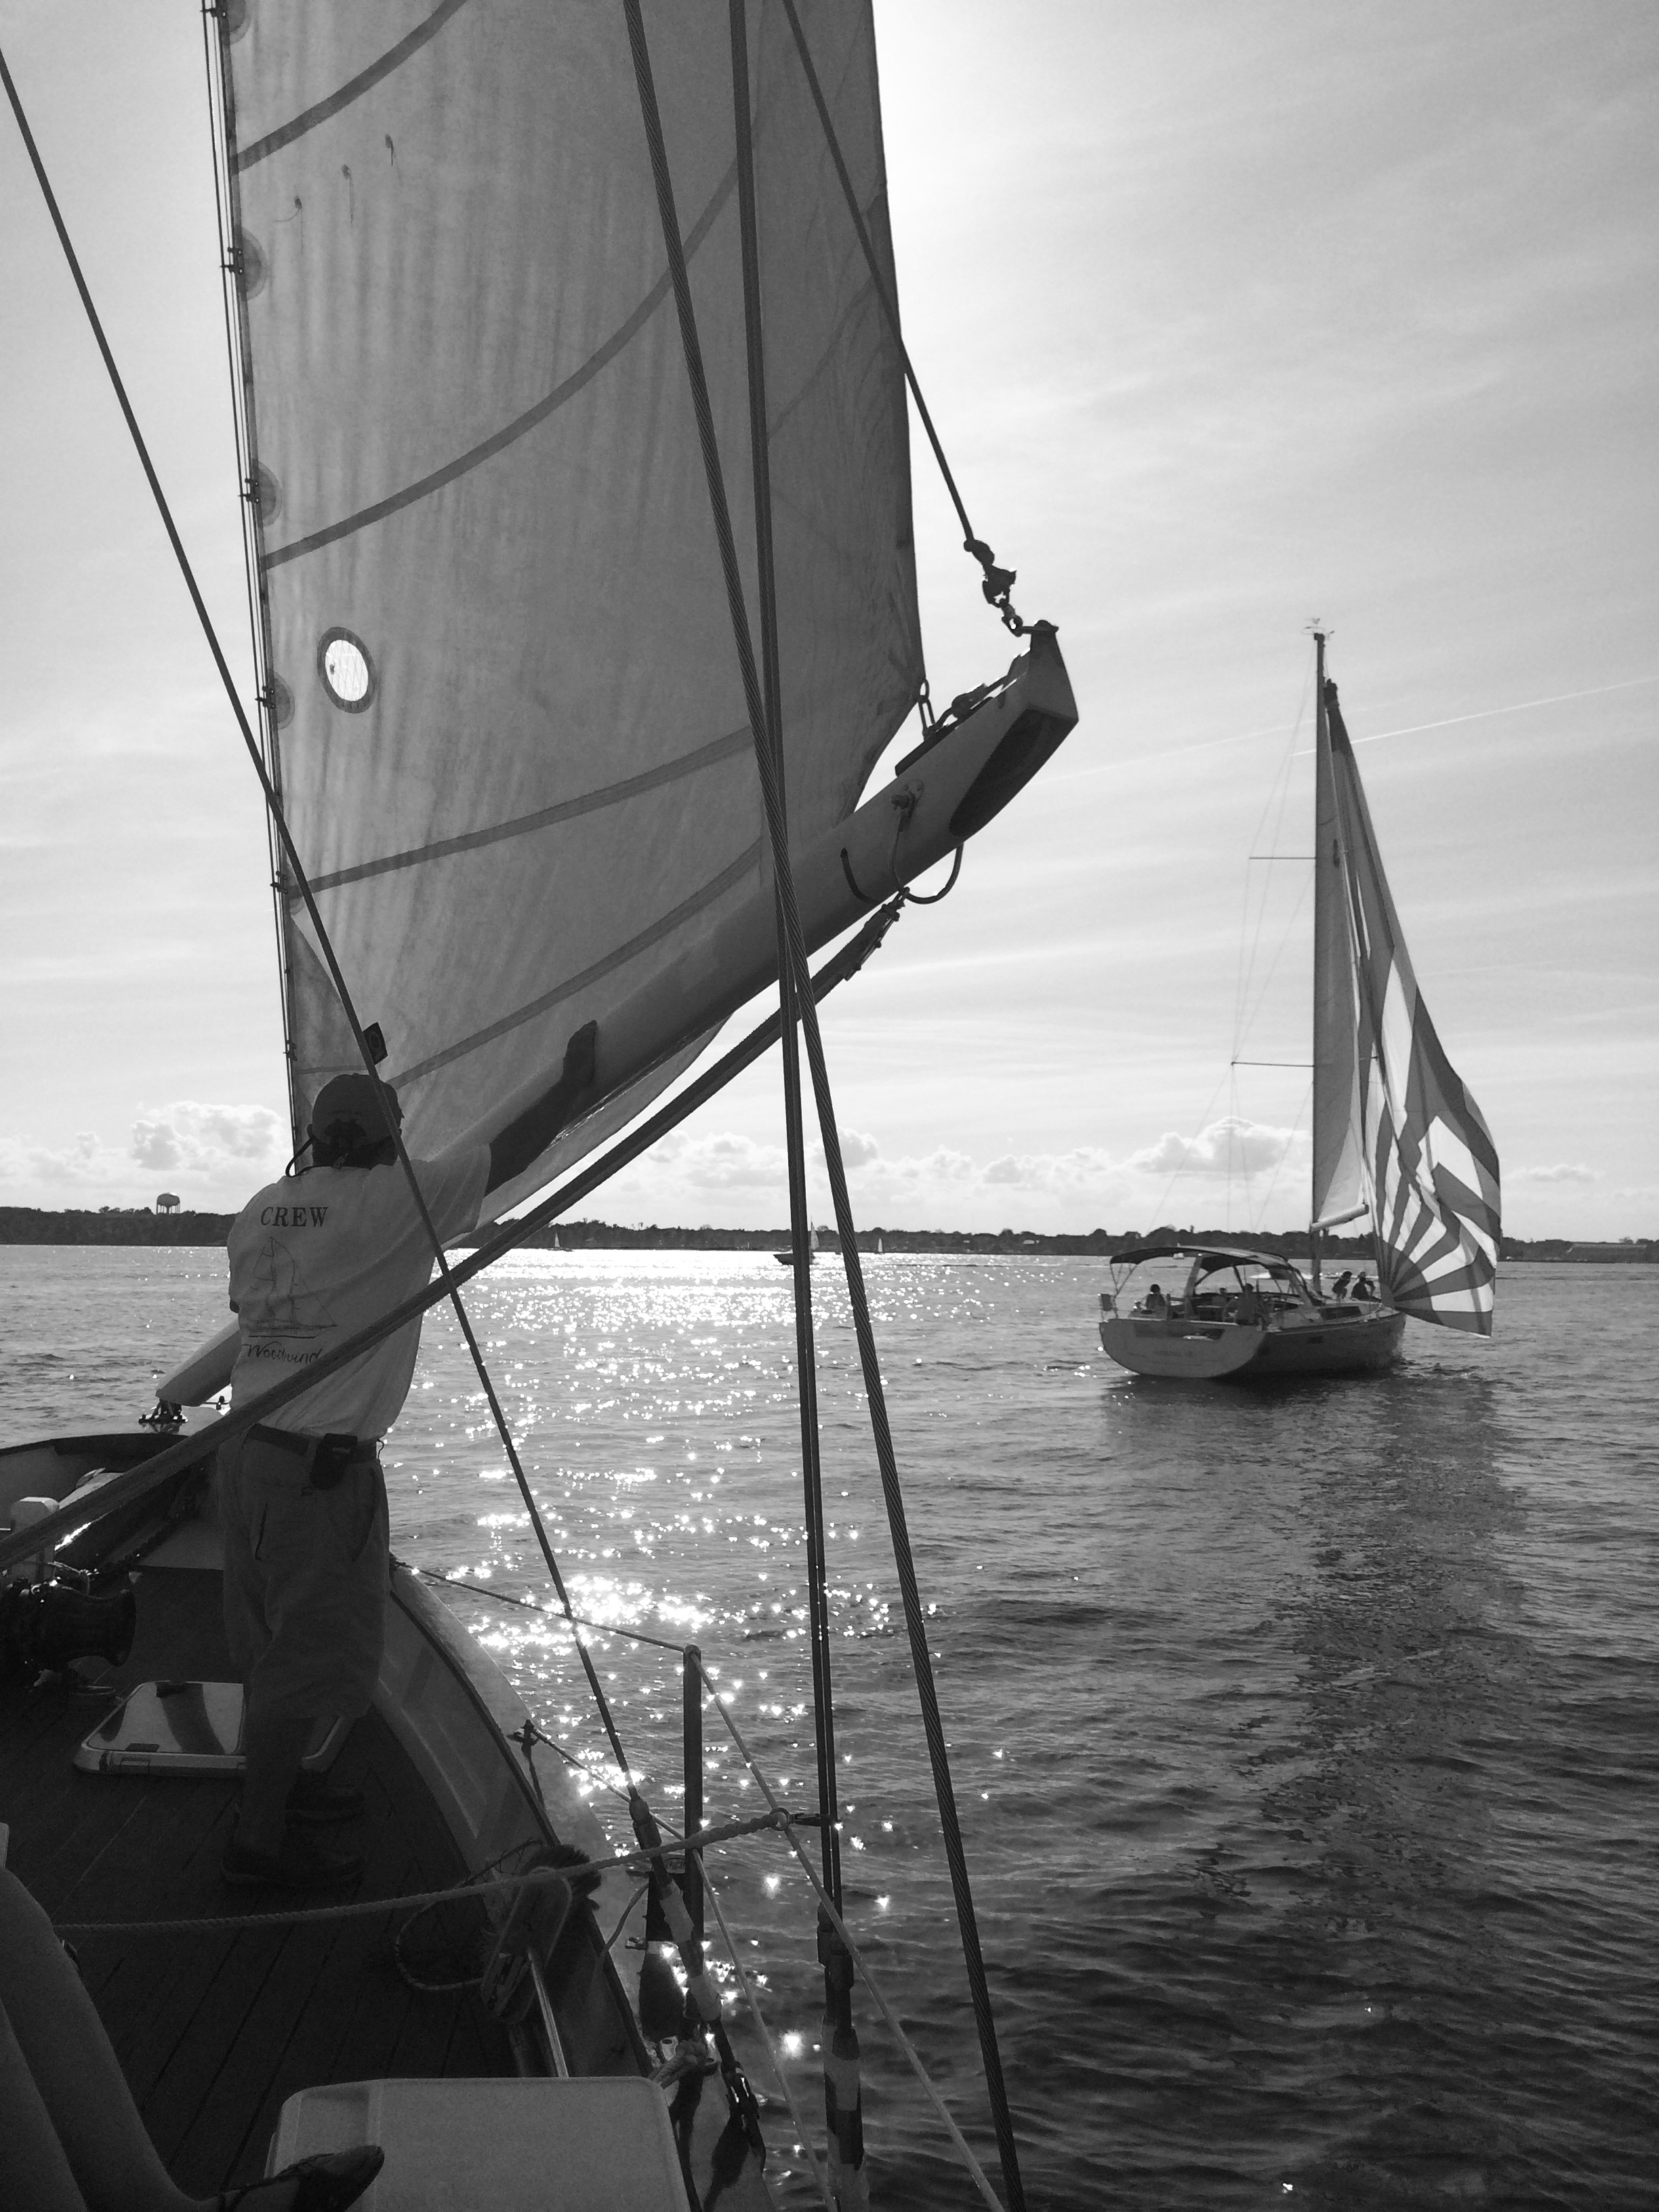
<point>1430,1166</point>
<point>511,740</point>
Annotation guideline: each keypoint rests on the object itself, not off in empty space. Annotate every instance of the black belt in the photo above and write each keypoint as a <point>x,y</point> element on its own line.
<point>326,1457</point>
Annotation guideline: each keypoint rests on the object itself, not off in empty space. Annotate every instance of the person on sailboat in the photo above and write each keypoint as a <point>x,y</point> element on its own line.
<point>329,1249</point>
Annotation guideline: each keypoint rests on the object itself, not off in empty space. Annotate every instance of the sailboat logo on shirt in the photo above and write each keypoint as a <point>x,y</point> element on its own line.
<point>278,1300</point>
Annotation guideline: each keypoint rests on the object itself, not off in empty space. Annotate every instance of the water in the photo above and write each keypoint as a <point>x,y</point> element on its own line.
<point>1304,1744</point>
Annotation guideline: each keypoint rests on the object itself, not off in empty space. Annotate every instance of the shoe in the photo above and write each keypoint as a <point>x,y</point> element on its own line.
<point>328,2183</point>
<point>301,1864</point>
<point>316,1802</point>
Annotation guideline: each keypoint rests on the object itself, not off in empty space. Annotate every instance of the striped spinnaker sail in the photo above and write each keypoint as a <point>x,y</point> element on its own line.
<point>1429,1162</point>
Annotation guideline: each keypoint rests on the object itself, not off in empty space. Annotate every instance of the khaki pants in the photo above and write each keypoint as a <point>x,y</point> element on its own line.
<point>306,1573</point>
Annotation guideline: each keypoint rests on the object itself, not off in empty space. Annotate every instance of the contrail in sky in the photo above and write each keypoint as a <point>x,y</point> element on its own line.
<point>1483,713</point>
<point>1560,699</point>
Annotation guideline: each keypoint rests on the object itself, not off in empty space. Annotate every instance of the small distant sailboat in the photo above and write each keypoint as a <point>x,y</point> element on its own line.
<point>786,1257</point>
<point>1396,1138</point>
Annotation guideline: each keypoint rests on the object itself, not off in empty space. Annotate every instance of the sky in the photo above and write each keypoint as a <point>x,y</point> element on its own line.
<point>1232,313</point>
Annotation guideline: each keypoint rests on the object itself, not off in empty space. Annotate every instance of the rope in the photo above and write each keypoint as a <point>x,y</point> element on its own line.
<point>912,2055</point>
<point>906,896</point>
<point>998,582</point>
<point>779,2073</point>
<point>529,1605</point>
<point>369,1908</point>
<point>462,1891</point>
<point>777,831</point>
<point>933,898</point>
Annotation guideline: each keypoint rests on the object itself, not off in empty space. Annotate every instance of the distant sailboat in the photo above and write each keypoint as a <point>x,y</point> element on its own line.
<point>786,1257</point>
<point>1396,1138</point>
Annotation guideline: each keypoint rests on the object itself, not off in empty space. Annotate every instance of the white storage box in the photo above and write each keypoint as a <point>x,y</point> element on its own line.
<point>595,2145</point>
<point>186,1728</point>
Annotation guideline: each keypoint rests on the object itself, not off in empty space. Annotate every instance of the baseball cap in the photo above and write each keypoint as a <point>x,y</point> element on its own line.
<point>364,1099</point>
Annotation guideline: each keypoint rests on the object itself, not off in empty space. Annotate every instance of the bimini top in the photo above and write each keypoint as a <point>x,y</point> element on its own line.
<point>1169,1244</point>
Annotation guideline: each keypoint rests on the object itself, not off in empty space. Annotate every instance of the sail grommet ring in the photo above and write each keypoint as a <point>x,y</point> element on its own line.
<point>348,673</point>
<point>262,493</point>
<point>248,265</point>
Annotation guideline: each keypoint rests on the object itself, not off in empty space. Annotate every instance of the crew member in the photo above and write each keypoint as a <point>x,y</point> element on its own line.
<point>313,1259</point>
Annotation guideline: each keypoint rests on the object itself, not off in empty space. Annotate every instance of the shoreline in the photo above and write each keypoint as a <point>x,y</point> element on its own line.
<point>140,1225</point>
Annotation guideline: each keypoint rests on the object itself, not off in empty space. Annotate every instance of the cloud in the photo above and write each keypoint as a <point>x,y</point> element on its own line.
<point>731,1162</point>
<point>189,1138</point>
<point>1564,1171</point>
<point>736,1179</point>
<point>86,1163</point>
<point>215,1155</point>
<point>1079,1170</point>
<point>1227,1147</point>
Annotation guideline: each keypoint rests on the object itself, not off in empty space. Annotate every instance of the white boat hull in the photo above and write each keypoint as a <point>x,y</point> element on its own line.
<point>1180,1349</point>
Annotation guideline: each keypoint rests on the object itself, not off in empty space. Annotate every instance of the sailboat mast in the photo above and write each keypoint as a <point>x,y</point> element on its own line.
<point>236,276</point>
<point>1335,1157</point>
<point>1325,860</point>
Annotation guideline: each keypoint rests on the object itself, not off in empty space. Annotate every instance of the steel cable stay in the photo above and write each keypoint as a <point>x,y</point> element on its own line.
<point>800,1226</point>
<point>798,971</point>
<point>998,582</point>
<point>912,2055</point>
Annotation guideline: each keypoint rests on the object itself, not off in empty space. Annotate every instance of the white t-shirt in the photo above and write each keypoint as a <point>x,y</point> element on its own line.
<point>319,1255</point>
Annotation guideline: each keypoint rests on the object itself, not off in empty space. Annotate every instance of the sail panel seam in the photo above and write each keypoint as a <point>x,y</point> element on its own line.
<point>352,89</point>
<point>567,810</point>
<point>510,433</point>
<point>642,942</point>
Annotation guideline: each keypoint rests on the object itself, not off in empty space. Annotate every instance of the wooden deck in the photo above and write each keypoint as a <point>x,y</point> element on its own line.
<point>215,2030</point>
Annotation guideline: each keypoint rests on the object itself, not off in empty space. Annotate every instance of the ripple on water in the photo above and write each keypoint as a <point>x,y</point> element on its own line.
<point>1303,1742</point>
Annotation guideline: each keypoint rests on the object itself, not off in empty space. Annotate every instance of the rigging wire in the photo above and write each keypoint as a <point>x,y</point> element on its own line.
<point>828,1130</point>
<point>800,1225</point>
<point>998,583</point>
<point>779,2072</point>
<point>1267,1195</point>
<point>1279,949</point>
<point>786,1828</point>
<point>1249,941</point>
